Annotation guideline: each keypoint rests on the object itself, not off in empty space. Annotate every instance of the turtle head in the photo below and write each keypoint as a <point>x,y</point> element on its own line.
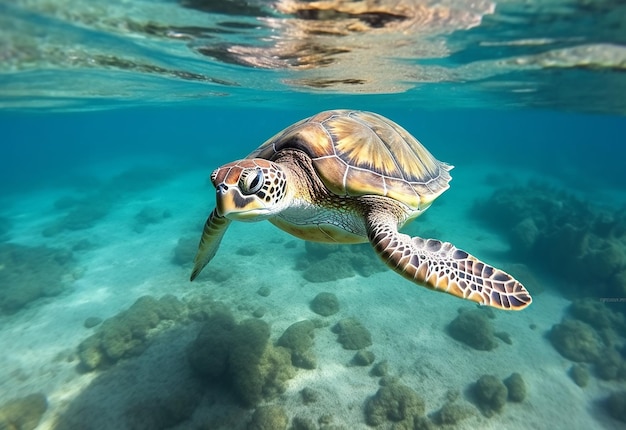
<point>249,190</point>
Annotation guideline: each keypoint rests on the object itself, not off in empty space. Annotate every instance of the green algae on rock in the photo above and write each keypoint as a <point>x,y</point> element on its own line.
<point>247,251</point>
<point>264,291</point>
<point>301,423</point>
<point>504,337</point>
<point>241,356</point>
<point>610,365</point>
<point>380,369</point>
<point>473,328</point>
<point>209,354</point>
<point>325,304</point>
<point>23,413</point>
<point>593,336</point>
<point>553,229</point>
<point>28,273</point>
<point>184,250</point>
<point>575,340</point>
<point>258,370</point>
<point>126,334</point>
<point>616,405</point>
<point>580,375</point>
<point>597,314</point>
<point>86,211</point>
<point>327,271</point>
<point>363,358</point>
<point>259,312</point>
<point>490,395</point>
<point>396,403</point>
<point>91,322</point>
<point>269,417</point>
<point>453,412</point>
<point>516,387</point>
<point>298,338</point>
<point>352,334</point>
<point>149,215</point>
<point>309,395</point>
<point>330,262</point>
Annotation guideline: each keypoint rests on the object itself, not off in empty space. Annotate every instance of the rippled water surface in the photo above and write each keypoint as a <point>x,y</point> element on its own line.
<point>72,54</point>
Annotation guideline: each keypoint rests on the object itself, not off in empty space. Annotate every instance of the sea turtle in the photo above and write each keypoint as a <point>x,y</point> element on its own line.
<point>348,176</point>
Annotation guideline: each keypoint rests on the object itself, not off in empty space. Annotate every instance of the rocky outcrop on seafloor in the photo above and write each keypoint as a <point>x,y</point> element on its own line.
<point>325,304</point>
<point>241,355</point>
<point>474,328</point>
<point>329,262</point>
<point>576,340</point>
<point>351,334</point>
<point>23,413</point>
<point>127,334</point>
<point>269,417</point>
<point>28,273</point>
<point>616,405</point>
<point>298,339</point>
<point>563,234</point>
<point>490,394</point>
<point>86,208</point>
<point>394,403</point>
<point>592,333</point>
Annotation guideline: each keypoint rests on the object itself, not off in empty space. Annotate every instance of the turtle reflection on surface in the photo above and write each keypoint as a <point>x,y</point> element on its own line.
<point>341,36</point>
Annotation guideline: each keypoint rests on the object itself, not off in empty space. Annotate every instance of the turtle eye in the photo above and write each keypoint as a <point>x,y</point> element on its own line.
<point>251,181</point>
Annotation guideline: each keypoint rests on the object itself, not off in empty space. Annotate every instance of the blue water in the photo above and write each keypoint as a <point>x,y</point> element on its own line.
<point>114,114</point>
<point>585,147</point>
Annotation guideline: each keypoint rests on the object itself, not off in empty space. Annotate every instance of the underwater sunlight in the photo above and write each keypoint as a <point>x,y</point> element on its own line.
<point>419,205</point>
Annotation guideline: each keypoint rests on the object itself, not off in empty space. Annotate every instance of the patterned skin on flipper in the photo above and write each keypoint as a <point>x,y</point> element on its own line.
<point>443,267</point>
<point>212,234</point>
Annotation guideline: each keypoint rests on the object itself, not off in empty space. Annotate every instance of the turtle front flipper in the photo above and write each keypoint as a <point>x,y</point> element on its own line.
<point>443,267</point>
<point>214,230</point>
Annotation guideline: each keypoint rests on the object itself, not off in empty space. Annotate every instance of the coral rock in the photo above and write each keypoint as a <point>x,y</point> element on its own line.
<point>269,418</point>
<point>352,334</point>
<point>325,304</point>
<point>490,394</point>
<point>616,405</point>
<point>516,386</point>
<point>610,365</point>
<point>298,338</point>
<point>474,329</point>
<point>363,358</point>
<point>23,413</point>
<point>241,356</point>
<point>579,374</point>
<point>575,340</point>
<point>452,412</point>
<point>396,403</point>
<point>126,334</point>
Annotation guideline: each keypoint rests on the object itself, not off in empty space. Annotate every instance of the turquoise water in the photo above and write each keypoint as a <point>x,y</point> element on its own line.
<point>114,114</point>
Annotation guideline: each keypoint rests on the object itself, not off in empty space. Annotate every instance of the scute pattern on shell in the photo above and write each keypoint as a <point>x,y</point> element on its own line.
<point>357,153</point>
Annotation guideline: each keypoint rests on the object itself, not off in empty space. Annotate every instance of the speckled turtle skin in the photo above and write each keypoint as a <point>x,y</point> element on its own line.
<point>348,176</point>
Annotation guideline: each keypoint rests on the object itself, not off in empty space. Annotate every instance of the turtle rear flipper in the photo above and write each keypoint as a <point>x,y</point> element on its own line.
<point>212,235</point>
<point>443,267</point>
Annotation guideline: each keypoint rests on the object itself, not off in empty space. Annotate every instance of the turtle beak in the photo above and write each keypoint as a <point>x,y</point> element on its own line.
<point>232,204</point>
<point>223,203</point>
